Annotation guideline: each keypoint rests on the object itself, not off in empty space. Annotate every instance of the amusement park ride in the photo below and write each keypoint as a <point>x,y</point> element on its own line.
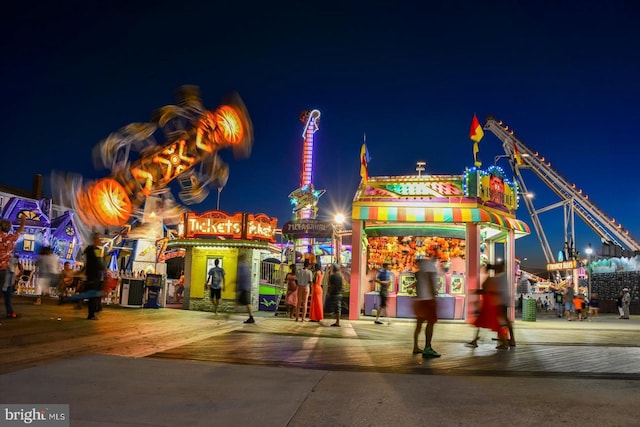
<point>192,138</point>
<point>305,199</point>
<point>572,199</point>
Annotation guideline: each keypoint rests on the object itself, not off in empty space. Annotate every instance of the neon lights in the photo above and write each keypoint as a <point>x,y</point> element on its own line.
<point>310,128</point>
<point>197,141</point>
<point>236,226</point>
<point>305,198</point>
<point>105,201</point>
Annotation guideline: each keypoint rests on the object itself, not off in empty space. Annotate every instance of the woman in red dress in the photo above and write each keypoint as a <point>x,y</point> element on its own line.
<point>317,313</point>
<point>489,315</point>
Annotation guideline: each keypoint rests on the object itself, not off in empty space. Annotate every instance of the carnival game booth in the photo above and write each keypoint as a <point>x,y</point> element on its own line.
<point>463,220</point>
<point>218,235</point>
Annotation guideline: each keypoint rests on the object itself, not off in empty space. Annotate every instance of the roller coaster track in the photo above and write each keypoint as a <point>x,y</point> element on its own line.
<point>522,157</point>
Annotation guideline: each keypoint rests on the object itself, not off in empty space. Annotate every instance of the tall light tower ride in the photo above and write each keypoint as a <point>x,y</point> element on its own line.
<point>305,198</point>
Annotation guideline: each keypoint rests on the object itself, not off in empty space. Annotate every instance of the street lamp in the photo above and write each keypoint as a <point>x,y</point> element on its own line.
<point>589,251</point>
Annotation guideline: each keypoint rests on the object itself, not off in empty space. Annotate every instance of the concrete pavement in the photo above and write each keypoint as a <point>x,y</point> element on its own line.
<point>567,373</point>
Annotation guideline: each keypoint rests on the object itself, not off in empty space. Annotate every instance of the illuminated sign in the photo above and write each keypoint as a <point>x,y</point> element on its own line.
<point>307,228</point>
<point>261,227</point>
<point>565,265</point>
<point>236,226</point>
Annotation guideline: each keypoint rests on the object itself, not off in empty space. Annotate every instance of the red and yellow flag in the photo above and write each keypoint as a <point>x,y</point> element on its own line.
<point>516,154</point>
<point>476,133</point>
<point>364,163</point>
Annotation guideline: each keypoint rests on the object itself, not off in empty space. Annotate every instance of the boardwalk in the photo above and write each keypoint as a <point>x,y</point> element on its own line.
<point>140,368</point>
<point>606,348</point>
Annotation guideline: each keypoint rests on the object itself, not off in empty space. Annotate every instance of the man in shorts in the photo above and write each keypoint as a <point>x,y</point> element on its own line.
<point>424,305</point>
<point>383,279</point>
<point>569,307</point>
<point>216,281</point>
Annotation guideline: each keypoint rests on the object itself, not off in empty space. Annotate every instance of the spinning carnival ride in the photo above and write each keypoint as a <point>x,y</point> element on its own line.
<point>192,136</point>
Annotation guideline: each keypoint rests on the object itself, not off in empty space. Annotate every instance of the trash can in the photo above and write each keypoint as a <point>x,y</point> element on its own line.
<point>529,307</point>
<point>153,287</point>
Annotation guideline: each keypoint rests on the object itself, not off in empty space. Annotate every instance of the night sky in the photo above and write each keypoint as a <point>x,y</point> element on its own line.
<point>564,77</point>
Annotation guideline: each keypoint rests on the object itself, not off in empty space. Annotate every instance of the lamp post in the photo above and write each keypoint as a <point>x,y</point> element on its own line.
<point>339,221</point>
<point>589,251</point>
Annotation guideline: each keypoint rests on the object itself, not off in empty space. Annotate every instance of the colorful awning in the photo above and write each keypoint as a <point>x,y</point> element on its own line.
<point>437,215</point>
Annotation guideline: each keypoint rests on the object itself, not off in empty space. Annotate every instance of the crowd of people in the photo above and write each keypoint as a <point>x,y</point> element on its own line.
<point>494,298</point>
<point>308,282</point>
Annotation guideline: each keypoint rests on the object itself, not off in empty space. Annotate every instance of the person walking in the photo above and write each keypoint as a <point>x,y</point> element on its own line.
<point>578,304</point>
<point>619,305</point>
<point>424,305</point>
<point>304,278</point>
<point>489,310</point>
<point>559,302</point>
<point>626,303</point>
<point>383,279</point>
<point>291,298</point>
<point>243,287</point>
<point>7,242</point>
<point>594,306</point>
<point>569,306</point>
<point>14,270</point>
<point>503,287</point>
<point>316,313</point>
<point>334,294</point>
<point>94,271</point>
<point>48,267</point>
<point>216,282</point>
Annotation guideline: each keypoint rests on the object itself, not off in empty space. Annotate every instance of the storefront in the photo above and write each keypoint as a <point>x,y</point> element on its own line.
<point>216,235</point>
<point>463,220</point>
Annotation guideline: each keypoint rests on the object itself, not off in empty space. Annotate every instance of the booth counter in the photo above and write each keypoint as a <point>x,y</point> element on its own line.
<point>372,300</point>
<point>448,307</point>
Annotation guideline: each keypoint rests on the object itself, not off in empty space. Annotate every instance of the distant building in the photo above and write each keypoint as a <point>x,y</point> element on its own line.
<point>46,223</point>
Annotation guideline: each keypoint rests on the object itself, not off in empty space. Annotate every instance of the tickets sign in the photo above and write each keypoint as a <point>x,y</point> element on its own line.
<point>236,226</point>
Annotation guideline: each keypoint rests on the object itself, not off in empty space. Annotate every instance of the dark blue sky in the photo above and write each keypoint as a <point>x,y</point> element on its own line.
<point>564,77</point>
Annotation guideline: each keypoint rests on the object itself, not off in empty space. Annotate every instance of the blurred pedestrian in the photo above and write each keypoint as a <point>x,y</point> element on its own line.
<point>488,313</point>
<point>9,285</point>
<point>503,287</point>
<point>569,306</point>
<point>383,279</point>
<point>559,302</point>
<point>424,305</point>
<point>334,294</point>
<point>291,298</point>
<point>626,303</point>
<point>7,242</point>
<point>304,278</point>
<point>48,268</point>
<point>619,305</point>
<point>94,271</point>
<point>594,306</point>
<point>243,287</point>
<point>316,313</point>
<point>578,303</point>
